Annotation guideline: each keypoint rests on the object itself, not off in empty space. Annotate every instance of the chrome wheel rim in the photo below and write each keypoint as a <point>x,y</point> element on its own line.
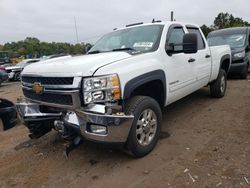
<point>222,84</point>
<point>146,127</point>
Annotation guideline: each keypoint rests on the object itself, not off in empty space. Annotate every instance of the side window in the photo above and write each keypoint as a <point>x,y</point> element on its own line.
<point>176,37</point>
<point>201,43</point>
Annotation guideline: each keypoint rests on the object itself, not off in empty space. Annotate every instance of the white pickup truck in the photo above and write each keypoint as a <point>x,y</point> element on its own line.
<point>116,93</point>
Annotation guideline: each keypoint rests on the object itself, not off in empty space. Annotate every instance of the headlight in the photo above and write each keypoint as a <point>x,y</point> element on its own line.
<point>101,89</point>
<point>240,55</point>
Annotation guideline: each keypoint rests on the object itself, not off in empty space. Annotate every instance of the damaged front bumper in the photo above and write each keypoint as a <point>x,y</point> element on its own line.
<point>89,125</point>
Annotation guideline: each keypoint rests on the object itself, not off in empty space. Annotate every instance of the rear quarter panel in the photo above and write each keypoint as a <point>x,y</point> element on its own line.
<point>217,54</point>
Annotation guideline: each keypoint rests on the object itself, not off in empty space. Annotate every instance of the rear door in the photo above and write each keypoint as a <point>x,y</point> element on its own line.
<point>202,59</point>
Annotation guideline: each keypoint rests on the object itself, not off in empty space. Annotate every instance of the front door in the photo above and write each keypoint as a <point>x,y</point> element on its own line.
<point>180,68</point>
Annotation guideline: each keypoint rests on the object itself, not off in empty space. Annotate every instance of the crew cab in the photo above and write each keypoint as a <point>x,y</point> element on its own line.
<point>239,40</point>
<point>116,93</point>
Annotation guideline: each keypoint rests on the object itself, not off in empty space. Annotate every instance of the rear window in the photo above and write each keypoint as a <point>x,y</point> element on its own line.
<point>201,43</point>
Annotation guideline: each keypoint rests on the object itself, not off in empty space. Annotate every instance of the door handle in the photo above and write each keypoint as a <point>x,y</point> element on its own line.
<point>191,60</point>
<point>207,56</point>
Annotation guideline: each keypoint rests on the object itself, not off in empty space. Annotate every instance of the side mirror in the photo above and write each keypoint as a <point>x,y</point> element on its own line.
<point>190,43</point>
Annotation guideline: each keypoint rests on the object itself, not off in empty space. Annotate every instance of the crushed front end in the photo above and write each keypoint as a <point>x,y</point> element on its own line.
<point>74,106</point>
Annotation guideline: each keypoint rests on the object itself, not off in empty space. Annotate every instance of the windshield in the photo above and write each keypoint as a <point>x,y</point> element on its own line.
<point>137,39</point>
<point>234,41</point>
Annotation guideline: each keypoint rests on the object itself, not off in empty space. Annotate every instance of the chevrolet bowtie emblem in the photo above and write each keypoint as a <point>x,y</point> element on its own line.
<point>37,88</point>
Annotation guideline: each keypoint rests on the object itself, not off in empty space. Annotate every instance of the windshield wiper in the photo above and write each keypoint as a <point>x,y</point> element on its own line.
<point>94,52</point>
<point>113,50</point>
<point>123,49</point>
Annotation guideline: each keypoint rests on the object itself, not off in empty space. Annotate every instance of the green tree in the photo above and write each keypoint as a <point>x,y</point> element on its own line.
<point>33,47</point>
<point>226,20</point>
<point>205,29</point>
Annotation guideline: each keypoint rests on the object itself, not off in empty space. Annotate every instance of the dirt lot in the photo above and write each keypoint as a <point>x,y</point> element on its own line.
<point>205,143</point>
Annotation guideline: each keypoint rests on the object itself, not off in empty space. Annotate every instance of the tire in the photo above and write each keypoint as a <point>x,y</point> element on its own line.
<point>143,136</point>
<point>219,86</point>
<point>17,76</point>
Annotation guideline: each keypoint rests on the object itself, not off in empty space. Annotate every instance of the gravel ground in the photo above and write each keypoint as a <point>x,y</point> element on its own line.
<point>205,142</point>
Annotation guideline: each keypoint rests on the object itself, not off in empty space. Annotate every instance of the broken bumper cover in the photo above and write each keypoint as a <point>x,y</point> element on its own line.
<point>117,126</point>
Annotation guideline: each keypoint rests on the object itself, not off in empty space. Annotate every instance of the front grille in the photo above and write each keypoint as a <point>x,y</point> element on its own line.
<point>49,80</point>
<point>49,97</point>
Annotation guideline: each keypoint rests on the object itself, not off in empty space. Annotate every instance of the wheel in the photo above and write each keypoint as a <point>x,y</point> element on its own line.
<point>146,127</point>
<point>219,86</point>
<point>17,76</point>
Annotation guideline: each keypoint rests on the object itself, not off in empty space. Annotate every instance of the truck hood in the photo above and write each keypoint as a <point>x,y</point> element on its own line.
<point>84,65</point>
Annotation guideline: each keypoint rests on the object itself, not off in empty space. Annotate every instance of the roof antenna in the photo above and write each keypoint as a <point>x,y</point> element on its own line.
<point>172,16</point>
<point>77,38</point>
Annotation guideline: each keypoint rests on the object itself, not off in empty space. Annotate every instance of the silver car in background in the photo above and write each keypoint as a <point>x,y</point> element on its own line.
<point>14,71</point>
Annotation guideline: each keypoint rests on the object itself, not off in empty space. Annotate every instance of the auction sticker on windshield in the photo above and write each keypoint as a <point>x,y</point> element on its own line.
<point>143,45</point>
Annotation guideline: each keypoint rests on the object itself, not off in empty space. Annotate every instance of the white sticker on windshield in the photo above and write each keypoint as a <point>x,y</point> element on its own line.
<point>143,45</point>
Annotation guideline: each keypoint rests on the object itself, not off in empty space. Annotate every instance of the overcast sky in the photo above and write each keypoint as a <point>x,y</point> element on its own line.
<point>53,20</point>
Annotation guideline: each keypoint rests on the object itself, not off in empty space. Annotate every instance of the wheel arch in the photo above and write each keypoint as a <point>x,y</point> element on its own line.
<point>225,62</point>
<point>151,84</point>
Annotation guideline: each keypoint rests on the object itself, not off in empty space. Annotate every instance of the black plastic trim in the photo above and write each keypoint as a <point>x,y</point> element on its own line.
<point>143,79</point>
<point>134,24</point>
<point>8,114</point>
<point>227,56</point>
<point>192,27</point>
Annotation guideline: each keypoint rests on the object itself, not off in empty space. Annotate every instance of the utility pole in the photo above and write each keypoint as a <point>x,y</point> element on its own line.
<point>172,16</point>
<point>77,39</point>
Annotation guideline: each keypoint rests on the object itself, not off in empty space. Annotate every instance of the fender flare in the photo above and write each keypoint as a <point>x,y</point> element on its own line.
<point>227,56</point>
<point>134,83</point>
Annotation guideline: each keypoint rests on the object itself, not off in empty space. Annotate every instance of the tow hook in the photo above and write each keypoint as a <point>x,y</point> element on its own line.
<point>59,126</point>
